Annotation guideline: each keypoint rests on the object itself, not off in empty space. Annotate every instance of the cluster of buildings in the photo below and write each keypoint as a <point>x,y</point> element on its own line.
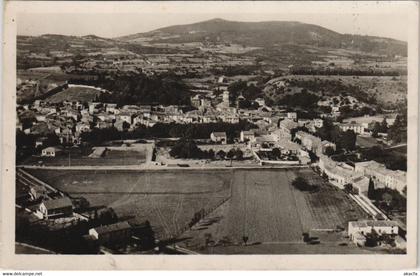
<point>358,231</point>
<point>381,176</point>
<point>359,175</point>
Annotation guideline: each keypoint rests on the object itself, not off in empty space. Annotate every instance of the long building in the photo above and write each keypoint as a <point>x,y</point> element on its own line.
<point>382,176</point>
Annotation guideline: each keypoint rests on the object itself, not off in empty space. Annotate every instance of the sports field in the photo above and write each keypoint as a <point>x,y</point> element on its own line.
<point>167,199</point>
<point>73,157</point>
<point>259,203</point>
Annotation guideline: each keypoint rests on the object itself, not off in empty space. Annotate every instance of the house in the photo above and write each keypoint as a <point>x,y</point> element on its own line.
<point>121,125</point>
<point>288,147</point>
<point>286,126</point>
<point>218,137</point>
<point>400,242</point>
<point>318,123</point>
<point>260,101</point>
<point>50,151</point>
<point>112,233</point>
<point>356,128</point>
<point>338,173</point>
<point>309,141</point>
<point>54,208</point>
<point>110,108</point>
<point>125,116</point>
<point>247,135</point>
<point>196,101</point>
<point>292,116</point>
<point>381,176</point>
<point>357,229</point>
<point>327,144</point>
<point>82,127</point>
<point>361,183</point>
<point>39,142</point>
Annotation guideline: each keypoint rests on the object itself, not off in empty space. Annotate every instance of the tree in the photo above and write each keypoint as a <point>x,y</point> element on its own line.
<point>186,149</point>
<point>348,140</point>
<point>245,239</point>
<point>371,189</point>
<point>230,155</point>
<point>211,153</point>
<point>387,198</point>
<point>276,152</point>
<point>302,184</point>
<point>239,154</point>
<point>329,151</point>
<point>348,188</point>
<point>221,154</point>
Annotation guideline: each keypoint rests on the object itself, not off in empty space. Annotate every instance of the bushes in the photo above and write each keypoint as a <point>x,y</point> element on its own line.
<point>302,184</point>
<point>188,149</point>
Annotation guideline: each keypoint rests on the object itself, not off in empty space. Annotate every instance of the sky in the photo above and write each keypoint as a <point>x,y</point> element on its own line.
<point>381,21</point>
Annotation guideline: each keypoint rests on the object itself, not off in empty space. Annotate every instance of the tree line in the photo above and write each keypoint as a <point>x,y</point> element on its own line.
<point>164,130</point>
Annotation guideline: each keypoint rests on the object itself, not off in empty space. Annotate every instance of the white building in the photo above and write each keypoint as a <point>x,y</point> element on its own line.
<point>50,151</point>
<point>381,176</point>
<point>357,128</point>
<point>292,116</point>
<point>358,229</point>
<point>247,136</point>
<point>219,137</point>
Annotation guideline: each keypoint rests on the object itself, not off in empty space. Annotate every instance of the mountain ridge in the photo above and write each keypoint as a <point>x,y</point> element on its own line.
<point>267,34</point>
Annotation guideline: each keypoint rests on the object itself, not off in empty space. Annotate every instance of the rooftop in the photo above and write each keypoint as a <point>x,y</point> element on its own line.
<point>113,227</point>
<point>373,223</point>
<point>58,203</point>
<point>220,134</point>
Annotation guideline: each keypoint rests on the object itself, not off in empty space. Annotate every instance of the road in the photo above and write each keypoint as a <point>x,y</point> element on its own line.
<point>151,167</point>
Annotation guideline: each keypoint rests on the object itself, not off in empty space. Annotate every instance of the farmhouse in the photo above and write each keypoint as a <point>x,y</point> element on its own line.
<point>54,208</point>
<point>112,233</point>
<point>218,137</point>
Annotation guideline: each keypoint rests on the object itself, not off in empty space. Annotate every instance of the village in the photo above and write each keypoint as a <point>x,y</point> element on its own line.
<point>277,138</point>
<point>188,144</point>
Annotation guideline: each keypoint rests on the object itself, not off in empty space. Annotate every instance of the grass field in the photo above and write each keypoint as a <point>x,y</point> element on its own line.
<point>82,94</point>
<point>111,158</point>
<point>167,199</point>
<point>261,204</point>
<point>268,210</point>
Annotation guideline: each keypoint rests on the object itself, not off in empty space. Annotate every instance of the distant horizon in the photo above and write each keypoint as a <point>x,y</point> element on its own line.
<point>32,26</point>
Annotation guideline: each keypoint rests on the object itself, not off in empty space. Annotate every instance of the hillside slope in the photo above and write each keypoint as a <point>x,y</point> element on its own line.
<point>267,34</point>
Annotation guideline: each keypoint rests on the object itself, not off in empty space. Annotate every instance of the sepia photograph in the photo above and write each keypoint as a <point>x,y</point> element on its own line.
<point>242,128</point>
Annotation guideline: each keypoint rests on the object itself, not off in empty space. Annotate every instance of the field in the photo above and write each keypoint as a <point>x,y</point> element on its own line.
<point>75,158</point>
<point>82,94</point>
<point>366,142</point>
<point>260,204</point>
<point>167,199</point>
<point>269,211</point>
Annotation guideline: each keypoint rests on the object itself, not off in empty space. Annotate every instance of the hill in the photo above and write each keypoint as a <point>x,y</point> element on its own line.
<point>268,34</point>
